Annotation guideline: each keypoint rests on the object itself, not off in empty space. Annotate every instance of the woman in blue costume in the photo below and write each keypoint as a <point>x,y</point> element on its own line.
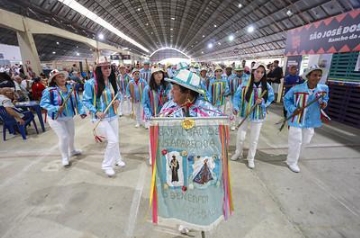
<point>187,102</point>
<point>61,114</point>
<point>155,95</point>
<point>98,94</point>
<point>249,95</point>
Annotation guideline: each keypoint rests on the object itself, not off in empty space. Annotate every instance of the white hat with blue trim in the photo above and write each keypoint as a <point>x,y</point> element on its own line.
<point>182,65</point>
<point>188,80</point>
<point>310,69</point>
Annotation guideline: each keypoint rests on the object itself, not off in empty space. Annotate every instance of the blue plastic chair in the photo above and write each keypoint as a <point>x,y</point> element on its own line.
<point>9,123</point>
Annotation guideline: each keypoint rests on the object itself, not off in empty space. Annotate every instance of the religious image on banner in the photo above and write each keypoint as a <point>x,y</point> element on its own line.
<point>190,175</point>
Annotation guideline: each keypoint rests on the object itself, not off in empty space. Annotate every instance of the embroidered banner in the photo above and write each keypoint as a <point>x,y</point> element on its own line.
<point>190,171</point>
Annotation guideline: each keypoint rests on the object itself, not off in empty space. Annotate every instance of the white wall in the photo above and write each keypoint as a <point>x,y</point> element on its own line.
<point>11,53</point>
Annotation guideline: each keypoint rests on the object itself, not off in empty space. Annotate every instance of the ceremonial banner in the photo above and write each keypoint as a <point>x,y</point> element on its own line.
<point>190,183</point>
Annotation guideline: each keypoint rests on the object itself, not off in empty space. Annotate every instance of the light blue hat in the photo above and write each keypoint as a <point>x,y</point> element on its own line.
<point>146,62</point>
<point>188,80</point>
<point>182,65</point>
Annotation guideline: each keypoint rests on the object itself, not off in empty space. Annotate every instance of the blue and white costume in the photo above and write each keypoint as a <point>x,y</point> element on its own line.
<point>108,126</point>
<point>135,91</point>
<point>63,123</point>
<point>255,119</point>
<point>302,125</point>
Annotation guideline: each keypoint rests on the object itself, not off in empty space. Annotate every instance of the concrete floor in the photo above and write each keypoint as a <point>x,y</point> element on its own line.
<point>39,198</point>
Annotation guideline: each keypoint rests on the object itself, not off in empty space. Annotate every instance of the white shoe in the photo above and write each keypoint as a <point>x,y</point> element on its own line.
<point>120,114</point>
<point>232,128</point>
<point>236,156</point>
<point>183,230</point>
<point>76,152</point>
<point>109,172</point>
<point>293,167</point>
<point>251,164</point>
<point>65,162</point>
<point>120,163</point>
<point>137,126</point>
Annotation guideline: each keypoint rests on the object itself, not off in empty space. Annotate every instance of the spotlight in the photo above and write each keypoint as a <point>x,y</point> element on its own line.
<point>250,29</point>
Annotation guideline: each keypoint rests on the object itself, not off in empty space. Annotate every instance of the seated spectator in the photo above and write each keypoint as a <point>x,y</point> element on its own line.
<point>7,97</point>
<point>22,93</point>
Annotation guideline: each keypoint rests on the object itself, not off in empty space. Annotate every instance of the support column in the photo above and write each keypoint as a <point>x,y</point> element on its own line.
<point>28,51</point>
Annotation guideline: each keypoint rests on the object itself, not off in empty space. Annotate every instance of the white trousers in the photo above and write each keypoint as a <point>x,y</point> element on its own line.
<point>125,106</point>
<point>255,128</point>
<point>109,128</point>
<point>298,139</point>
<point>65,130</point>
<point>138,112</point>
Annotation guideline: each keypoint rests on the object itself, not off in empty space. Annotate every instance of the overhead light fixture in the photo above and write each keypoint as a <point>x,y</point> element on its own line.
<point>139,9</point>
<point>171,29</point>
<point>240,5</point>
<point>219,43</point>
<point>250,29</point>
<point>202,52</point>
<point>203,36</point>
<point>54,52</point>
<point>289,13</point>
<point>77,53</point>
<point>147,24</point>
<point>215,25</point>
<point>95,18</point>
<point>231,37</point>
<point>173,18</point>
<point>57,42</point>
<point>210,45</point>
<point>101,36</point>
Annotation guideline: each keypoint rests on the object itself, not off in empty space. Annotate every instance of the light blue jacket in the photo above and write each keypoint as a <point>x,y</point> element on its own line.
<point>154,100</point>
<point>218,90</point>
<point>242,106</point>
<point>52,98</point>
<point>235,81</point>
<point>95,104</point>
<point>122,82</point>
<point>299,96</point>
<point>138,90</point>
<point>145,74</point>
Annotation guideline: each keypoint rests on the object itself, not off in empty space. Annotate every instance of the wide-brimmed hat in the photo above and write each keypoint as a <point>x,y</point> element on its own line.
<point>188,80</point>
<point>53,73</point>
<point>203,69</point>
<point>121,66</point>
<point>135,70</point>
<point>229,66</point>
<point>103,61</point>
<point>182,65</point>
<point>258,64</point>
<point>146,62</point>
<point>158,69</point>
<point>310,69</point>
<point>218,67</point>
<point>239,68</point>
